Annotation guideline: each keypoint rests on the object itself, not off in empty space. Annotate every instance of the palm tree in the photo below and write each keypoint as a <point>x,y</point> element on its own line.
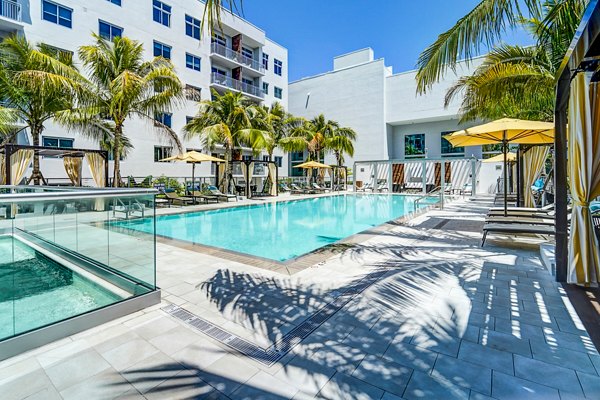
<point>519,82</point>
<point>341,142</point>
<point>311,136</point>
<point>483,26</point>
<point>277,123</point>
<point>227,120</point>
<point>36,83</point>
<point>123,86</point>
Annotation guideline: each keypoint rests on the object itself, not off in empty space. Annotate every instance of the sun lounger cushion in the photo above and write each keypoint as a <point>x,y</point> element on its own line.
<point>516,229</point>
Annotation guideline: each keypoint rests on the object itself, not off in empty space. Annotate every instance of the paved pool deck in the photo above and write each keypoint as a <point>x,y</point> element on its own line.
<point>442,319</point>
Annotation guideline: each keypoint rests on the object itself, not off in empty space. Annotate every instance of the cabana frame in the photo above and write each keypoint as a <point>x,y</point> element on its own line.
<point>583,55</point>
<point>9,149</point>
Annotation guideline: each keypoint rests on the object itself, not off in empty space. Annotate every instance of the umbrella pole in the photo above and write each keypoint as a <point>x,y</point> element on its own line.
<point>193,173</point>
<point>504,150</point>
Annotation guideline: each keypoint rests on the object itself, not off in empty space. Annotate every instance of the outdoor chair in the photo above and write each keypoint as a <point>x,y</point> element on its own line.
<point>318,188</point>
<point>220,195</point>
<point>284,188</point>
<point>174,198</point>
<point>515,219</point>
<point>295,189</point>
<point>207,198</point>
<point>517,228</point>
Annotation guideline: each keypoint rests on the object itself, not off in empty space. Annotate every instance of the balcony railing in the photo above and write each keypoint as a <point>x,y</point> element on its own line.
<point>231,83</point>
<point>217,48</point>
<point>10,9</point>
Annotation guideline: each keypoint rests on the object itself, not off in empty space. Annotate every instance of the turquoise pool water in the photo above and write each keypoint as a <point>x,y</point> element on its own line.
<point>284,230</point>
<point>36,290</point>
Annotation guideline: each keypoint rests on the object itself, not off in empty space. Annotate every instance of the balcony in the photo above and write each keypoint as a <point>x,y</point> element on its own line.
<point>238,58</point>
<point>10,9</point>
<point>234,84</point>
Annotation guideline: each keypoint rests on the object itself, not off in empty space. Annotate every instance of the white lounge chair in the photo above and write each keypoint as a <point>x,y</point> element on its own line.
<point>547,230</point>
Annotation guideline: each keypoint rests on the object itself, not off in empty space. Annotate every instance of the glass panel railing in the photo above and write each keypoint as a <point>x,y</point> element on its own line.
<point>66,252</point>
<point>235,84</point>
<point>218,48</point>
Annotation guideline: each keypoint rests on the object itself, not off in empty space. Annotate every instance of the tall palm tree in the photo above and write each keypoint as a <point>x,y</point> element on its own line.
<point>341,142</point>
<point>36,83</point>
<point>227,120</point>
<point>519,82</point>
<point>123,85</point>
<point>278,123</point>
<point>482,27</point>
<point>312,136</point>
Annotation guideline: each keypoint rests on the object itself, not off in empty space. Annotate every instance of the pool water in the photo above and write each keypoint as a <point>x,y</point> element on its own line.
<point>36,290</point>
<point>284,230</point>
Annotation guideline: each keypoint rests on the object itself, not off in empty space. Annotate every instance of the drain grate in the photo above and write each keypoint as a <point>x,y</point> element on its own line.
<point>276,351</point>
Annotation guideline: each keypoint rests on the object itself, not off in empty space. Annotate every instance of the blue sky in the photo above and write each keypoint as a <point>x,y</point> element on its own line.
<point>314,31</point>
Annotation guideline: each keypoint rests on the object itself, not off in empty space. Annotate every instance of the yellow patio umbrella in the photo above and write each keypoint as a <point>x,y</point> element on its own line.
<point>193,157</point>
<point>309,165</point>
<point>511,157</point>
<point>504,131</point>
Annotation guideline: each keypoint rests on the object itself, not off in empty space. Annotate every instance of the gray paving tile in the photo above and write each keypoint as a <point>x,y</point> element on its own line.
<point>368,341</point>
<point>345,387</point>
<point>384,374</point>
<point>436,342</point>
<point>184,385</point>
<point>25,385</point>
<point>462,373</point>
<point>199,354</point>
<point>596,361</point>
<point>505,342</point>
<point>565,340</point>
<point>339,356</point>
<point>129,353</point>
<point>478,396</point>
<point>107,385</point>
<point>227,373</point>
<point>486,357</point>
<point>506,387</point>
<point>590,384</point>
<point>264,386</point>
<point>76,368</point>
<point>423,386</point>
<point>563,357</point>
<point>305,374</point>
<point>155,327</point>
<point>518,329</point>
<point>151,372</point>
<point>546,374</point>
<point>174,340</point>
<point>414,357</point>
<point>570,326</point>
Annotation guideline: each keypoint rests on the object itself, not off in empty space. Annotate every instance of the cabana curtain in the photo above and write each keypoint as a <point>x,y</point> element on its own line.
<point>96,165</point>
<point>534,161</point>
<point>19,162</point>
<point>584,173</point>
<point>73,169</point>
<point>273,178</point>
<point>221,175</point>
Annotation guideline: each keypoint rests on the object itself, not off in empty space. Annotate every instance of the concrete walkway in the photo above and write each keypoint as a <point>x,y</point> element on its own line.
<point>447,319</point>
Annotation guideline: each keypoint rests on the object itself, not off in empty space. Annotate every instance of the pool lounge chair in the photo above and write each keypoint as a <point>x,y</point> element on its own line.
<point>365,187</point>
<point>174,198</point>
<point>216,192</point>
<point>520,228</point>
<point>546,208</point>
<point>295,189</point>
<point>512,219</point>
<point>207,198</point>
<point>319,188</point>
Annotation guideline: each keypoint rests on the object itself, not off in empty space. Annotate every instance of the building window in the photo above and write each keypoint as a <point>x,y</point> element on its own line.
<point>448,150</point>
<point>161,152</point>
<point>277,66</point>
<point>164,118</point>
<point>57,14</point>
<point>161,12</point>
<point>265,88</point>
<point>115,2</point>
<point>162,50</point>
<point>278,92</point>
<point>192,27</point>
<point>491,150</point>
<point>247,52</point>
<point>57,52</point>
<point>219,39</point>
<point>414,145</point>
<point>57,142</point>
<point>218,71</point>
<point>265,60</point>
<point>192,93</point>
<point>278,161</point>
<point>109,31</point>
<point>192,62</point>
<point>248,81</point>
<point>188,119</point>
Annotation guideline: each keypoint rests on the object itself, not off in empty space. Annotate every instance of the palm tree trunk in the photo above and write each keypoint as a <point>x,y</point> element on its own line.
<point>36,175</point>
<point>117,155</point>
<point>228,170</point>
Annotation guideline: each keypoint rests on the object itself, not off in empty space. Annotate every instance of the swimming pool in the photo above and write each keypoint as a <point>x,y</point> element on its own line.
<point>283,230</point>
<point>35,290</point>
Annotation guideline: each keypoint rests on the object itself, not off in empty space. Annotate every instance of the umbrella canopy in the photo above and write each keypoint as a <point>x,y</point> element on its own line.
<point>193,157</point>
<point>505,131</point>
<point>511,130</point>
<point>312,164</point>
<point>510,157</point>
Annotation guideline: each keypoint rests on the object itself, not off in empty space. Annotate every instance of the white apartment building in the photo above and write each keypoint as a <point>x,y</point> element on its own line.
<point>239,58</point>
<point>390,119</point>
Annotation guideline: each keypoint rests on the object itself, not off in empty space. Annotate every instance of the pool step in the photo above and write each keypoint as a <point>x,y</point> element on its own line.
<point>275,352</point>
